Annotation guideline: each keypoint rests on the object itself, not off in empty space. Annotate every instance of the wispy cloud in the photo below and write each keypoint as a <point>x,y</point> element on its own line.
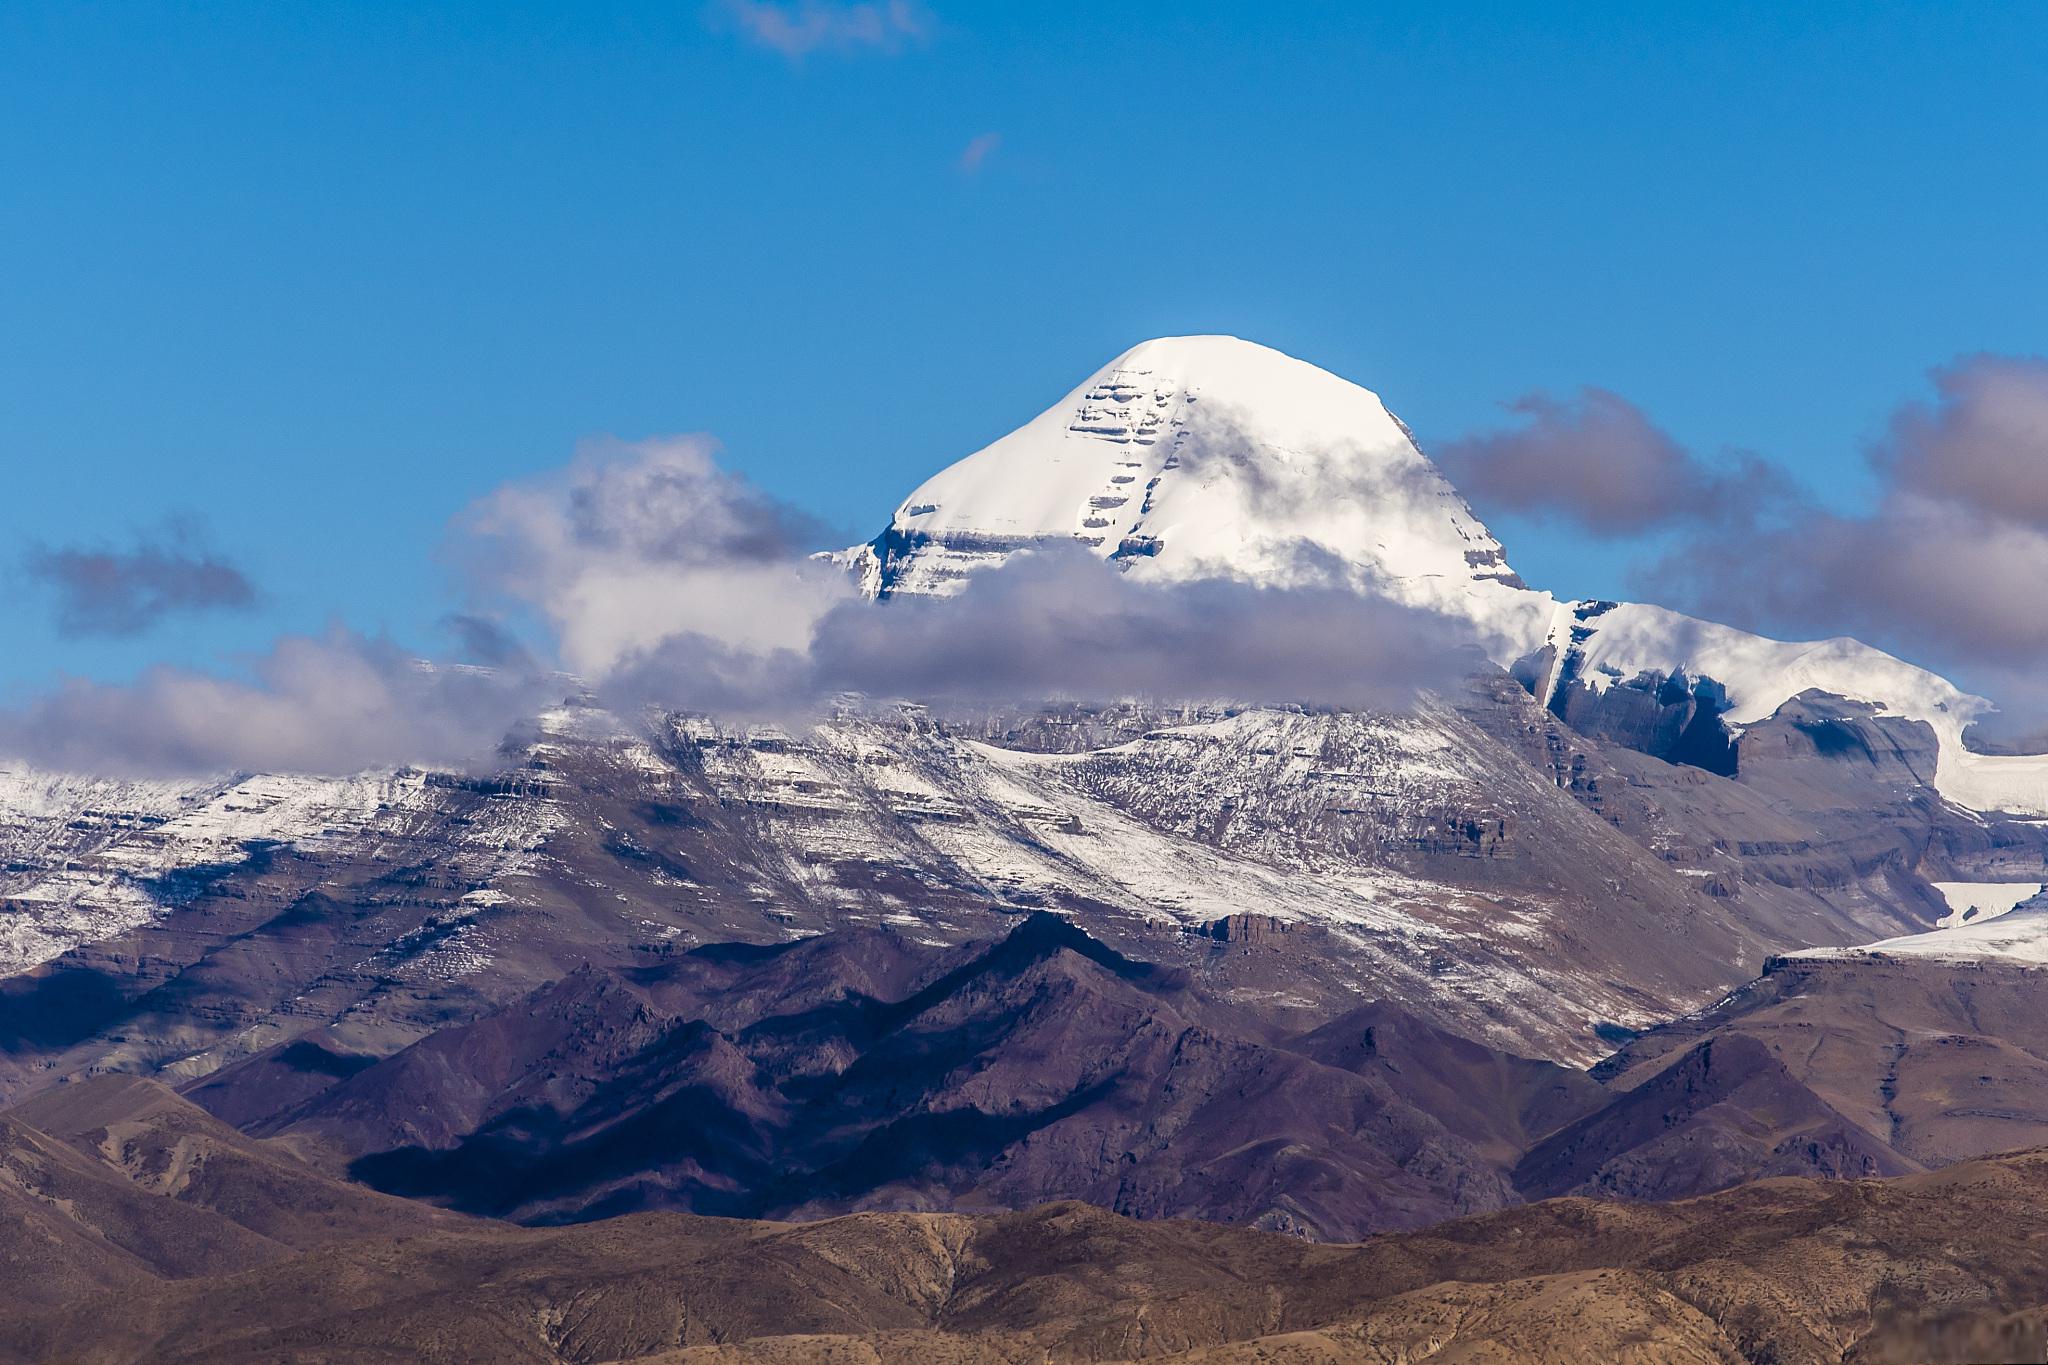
<point>1982,443</point>
<point>337,703</point>
<point>104,590</point>
<point>487,642</point>
<point>978,151</point>
<point>1598,463</point>
<point>798,28</point>
<point>1945,565</point>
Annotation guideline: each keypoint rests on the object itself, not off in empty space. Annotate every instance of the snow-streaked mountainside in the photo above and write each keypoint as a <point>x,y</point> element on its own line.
<point>1210,456</point>
<point>1519,858</point>
<point>1597,644</point>
<point>82,859</point>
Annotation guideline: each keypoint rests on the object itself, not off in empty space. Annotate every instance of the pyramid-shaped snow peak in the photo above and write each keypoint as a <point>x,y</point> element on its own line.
<point>1208,456</point>
<point>1211,457</point>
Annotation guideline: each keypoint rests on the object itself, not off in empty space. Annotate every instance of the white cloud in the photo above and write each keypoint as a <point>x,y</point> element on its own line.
<point>336,703</point>
<point>636,544</point>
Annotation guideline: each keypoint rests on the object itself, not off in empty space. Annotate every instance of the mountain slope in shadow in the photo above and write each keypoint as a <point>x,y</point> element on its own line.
<point>1044,1065</point>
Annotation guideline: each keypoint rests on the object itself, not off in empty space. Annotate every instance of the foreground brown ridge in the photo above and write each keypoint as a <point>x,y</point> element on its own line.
<point>133,1226</point>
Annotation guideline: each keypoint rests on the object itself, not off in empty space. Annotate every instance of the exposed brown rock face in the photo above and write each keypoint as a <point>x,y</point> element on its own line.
<point>1725,1112</point>
<point>866,1071</point>
<point>862,1071</point>
<point>140,1229</point>
<point>1256,930</point>
<point>1937,1061</point>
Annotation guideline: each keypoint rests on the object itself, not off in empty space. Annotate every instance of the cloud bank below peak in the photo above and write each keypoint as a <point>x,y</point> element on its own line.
<point>668,581</point>
<point>660,580</point>
<point>333,703</point>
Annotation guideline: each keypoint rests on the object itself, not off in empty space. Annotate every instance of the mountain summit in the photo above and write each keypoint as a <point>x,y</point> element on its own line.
<point>1214,457</point>
<point>1209,456</point>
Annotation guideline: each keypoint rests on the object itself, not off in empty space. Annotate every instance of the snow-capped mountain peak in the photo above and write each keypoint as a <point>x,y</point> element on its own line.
<point>1214,457</point>
<point>1210,456</point>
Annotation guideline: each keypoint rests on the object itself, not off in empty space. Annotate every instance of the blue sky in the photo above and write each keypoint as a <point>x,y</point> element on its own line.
<point>321,275</point>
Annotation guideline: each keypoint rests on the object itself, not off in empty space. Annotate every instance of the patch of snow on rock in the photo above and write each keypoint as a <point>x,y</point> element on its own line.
<point>1976,902</point>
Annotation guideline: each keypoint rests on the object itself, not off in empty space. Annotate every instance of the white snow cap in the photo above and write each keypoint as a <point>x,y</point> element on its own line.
<point>1209,456</point>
